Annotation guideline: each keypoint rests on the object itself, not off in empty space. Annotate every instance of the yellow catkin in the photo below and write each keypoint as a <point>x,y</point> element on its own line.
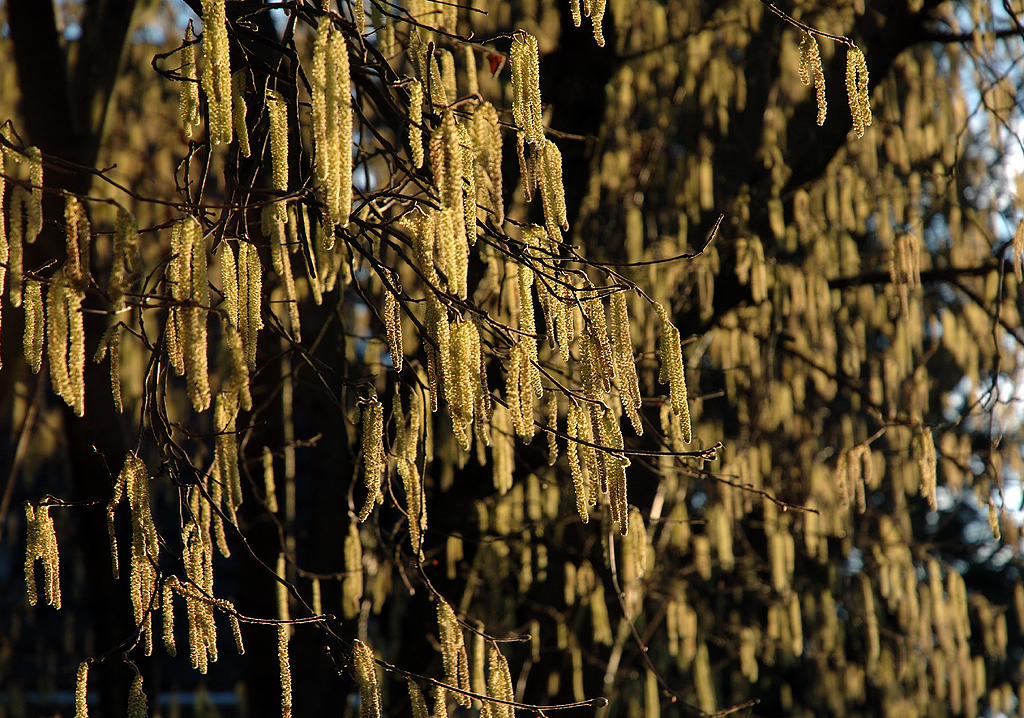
<point>250,297</point>
<point>284,665</point>
<point>419,703</point>
<point>552,190</point>
<point>12,252</point>
<point>126,257</point>
<point>78,238</point>
<point>576,421</point>
<point>393,326</point>
<point>76,350</point>
<point>526,103</point>
<point>552,429</point>
<point>110,343</point>
<point>625,367</point>
<point>57,334</point>
<point>238,111</point>
<point>597,10</point>
<point>269,486</point>
<point>499,684</point>
<point>485,129</point>
<point>196,362</point>
<point>42,545</point>
<point>374,459</point>
<point>672,370</point>
<point>703,680</point>
<point>924,449</point>
<point>332,122</point>
<point>137,707</point>
<point>81,691</point>
<point>366,678</point>
<point>811,71</point>
<point>167,607</point>
<point>217,72</point>
<point>416,122</point>
<point>188,104</point>
<point>282,263</point>
<point>277,110</point>
<point>857,89</point>
<point>35,324</point>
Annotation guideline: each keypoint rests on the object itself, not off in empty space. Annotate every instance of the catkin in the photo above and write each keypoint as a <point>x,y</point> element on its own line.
<point>217,72</point>
<point>485,129</point>
<point>625,367</point>
<point>332,121</point>
<point>167,607</point>
<point>416,122</point>
<point>34,201</point>
<point>857,89</point>
<point>924,449</point>
<point>419,703</point>
<point>366,678</point>
<point>499,684</point>
<point>552,429</point>
<point>126,257</point>
<point>374,459</point>
<point>110,343</point>
<point>282,263</point>
<point>196,363</point>
<point>250,297</point>
<point>238,111</point>
<point>81,691</point>
<point>284,665</point>
<point>552,190</point>
<point>672,370</point>
<point>578,424</point>
<point>137,707</point>
<point>188,104</point>
<point>393,326</point>
<point>526,103</point>
<point>13,251</point>
<point>277,111</point>
<point>41,545</point>
<point>35,324</point>
<point>352,585</point>
<point>811,71</point>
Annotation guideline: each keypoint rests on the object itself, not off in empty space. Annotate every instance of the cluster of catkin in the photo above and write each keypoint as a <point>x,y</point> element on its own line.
<point>332,122</point>
<point>42,546</point>
<point>905,268</point>
<point>594,9</point>
<point>812,73</point>
<point>854,471</point>
<point>185,331</point>
<point>25,220</point>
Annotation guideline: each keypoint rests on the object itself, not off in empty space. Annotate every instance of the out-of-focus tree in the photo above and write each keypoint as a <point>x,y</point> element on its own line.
<point>345,268</point>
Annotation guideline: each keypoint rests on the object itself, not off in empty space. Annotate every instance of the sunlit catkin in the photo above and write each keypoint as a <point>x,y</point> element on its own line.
<point>285,669</point>
<point>811,71</point>
<point>196,362</point>
<point>374,459</point>
<point>625,367</point>
<point>167,607</point>
<point>277,110</point>
<point>366,678</point>
<point>417,701</point>
<point>110,343</point>
<point>857,89</point>
<point>41,545</point>
<point>35,324</point>
<point>552,429</point>
<point>486,131</point>
<point>393,326</point>
<point>250,298</point>
<point>81,691</point>
<point>499,684</point>
<point>578,426</point>
<point>526,103</point>
<point>188,104</point>
<point>672,370</point>
<point>416,122</point>
<point>217,72</point>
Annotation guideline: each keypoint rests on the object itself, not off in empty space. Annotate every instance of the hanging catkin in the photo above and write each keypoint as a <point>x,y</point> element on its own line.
<point>284,665</point>
<point>672,370</point>
<point>35,323</point>
<point>126,257</point>
<point>393,327</point>
<point>526,104</point>
<point>811,71</point>
<point>137,707</point>
<point>239,110</point>
<point>81,691</point>
<point>110,343</point>
<point>416,122</point>
<point>857,89</point>
<point>250,298</point>
<point>41,545</point>
<point>332,122</point>
<point>188,104</point>
<point>625,367</point>
<point>366,678</point>
<point>352,584</point>
<point>374,458</point>
<point>217,72</point>
<point>277,111</point>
